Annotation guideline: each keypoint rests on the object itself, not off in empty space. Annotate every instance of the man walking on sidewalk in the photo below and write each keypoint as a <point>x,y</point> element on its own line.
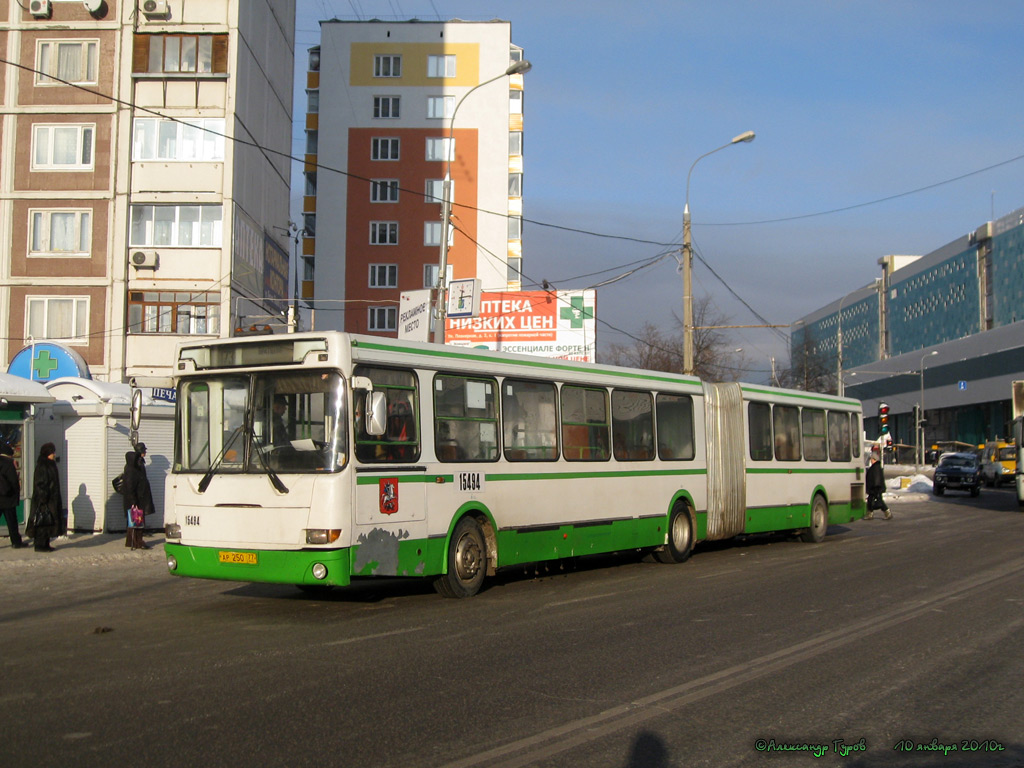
<point>874,484</point>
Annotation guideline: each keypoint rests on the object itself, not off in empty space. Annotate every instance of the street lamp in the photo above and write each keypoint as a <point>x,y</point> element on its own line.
<point>687,263</point>
<point>919,427</point>
<point>517,68</point>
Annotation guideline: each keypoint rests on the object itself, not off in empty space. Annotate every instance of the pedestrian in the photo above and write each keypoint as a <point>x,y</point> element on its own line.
<point>136,493</point>
<point>44,522</point>
<point>875,486</point>
<point>10,494</point>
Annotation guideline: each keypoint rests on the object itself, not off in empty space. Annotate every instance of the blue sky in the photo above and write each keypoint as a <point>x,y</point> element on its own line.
<point>852,102</point>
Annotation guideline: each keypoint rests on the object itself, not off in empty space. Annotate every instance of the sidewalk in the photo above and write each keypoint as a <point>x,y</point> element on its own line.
<point>80,549</point>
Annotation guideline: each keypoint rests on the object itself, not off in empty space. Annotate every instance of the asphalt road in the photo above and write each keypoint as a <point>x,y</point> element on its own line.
<point>889,636</point>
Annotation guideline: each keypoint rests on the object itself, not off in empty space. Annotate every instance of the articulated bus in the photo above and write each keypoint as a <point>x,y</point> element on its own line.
<point>316,458</point>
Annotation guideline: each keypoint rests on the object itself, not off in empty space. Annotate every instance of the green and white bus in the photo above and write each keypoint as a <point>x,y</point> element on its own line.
<point>316,458</point>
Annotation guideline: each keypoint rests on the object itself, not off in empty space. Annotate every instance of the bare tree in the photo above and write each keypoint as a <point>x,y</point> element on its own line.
<point>660,350</point>
<point>809,369</point>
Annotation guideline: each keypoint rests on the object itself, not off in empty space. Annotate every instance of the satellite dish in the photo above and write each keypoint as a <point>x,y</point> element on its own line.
<point>93,6</point>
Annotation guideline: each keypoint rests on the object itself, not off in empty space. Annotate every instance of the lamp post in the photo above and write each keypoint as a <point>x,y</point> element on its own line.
<point>516,68</point>
<point>919,427</point>
<point>687,260</point>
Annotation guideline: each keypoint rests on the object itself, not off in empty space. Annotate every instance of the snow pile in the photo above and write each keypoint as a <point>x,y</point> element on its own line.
<point>908,488</point>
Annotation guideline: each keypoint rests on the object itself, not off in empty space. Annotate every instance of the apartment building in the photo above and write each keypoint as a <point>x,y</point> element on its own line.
<point>144,174</point>
<point>380,139</point>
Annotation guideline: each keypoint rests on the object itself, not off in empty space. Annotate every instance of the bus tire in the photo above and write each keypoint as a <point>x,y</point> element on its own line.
<point>680,537</point>
<point>467,561</point>
<point>815,534</point>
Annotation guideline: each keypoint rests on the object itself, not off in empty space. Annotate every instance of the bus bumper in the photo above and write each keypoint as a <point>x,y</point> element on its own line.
<point>261,565</point>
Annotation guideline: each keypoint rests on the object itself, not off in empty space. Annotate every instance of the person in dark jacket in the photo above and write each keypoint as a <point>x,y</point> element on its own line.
<point>136,492</point>
<point>874,484</point>
<point>44,522</point>
<point>10,493</point>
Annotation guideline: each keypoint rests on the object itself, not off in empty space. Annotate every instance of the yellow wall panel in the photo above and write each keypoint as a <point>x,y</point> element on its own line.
<point>414,64</point>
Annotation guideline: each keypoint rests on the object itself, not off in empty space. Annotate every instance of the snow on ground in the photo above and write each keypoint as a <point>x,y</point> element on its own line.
<point>903,484</point>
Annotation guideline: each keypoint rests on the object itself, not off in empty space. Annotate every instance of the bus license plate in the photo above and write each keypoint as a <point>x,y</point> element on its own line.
<point>239,558</point>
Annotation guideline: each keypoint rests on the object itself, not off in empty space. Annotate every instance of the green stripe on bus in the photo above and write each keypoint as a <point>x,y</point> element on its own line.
<point>776,393</point>
<point>801,471</point>
<point>503,476</point>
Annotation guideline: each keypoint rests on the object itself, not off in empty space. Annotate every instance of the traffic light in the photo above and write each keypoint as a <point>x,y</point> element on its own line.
<point>883,417</point>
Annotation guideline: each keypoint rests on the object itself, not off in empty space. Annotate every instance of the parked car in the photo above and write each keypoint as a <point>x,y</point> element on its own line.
<point>959,471</point>
<point>998,462</point>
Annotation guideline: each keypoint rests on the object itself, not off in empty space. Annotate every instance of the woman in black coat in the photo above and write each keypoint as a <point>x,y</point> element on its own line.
<point>136,492</point>
<point>47,504</point>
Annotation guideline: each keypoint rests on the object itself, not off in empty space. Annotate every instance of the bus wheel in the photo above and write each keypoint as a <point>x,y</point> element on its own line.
<point>819,521</point>
<point>467,561</point>
<point>680,537</point>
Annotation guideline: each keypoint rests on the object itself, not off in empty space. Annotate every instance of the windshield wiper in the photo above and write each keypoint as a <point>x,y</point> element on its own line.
<point>205,482</point>
<point>275,480</point>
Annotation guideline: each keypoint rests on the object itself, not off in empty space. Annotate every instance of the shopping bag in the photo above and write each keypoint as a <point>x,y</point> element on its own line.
<point>135,517</point>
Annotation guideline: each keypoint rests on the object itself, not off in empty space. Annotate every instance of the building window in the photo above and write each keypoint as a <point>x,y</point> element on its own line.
<point>440,106</point>
<point>182,140</point>
<point>515,143</point>
<point>513,273</point>
<point>60,318</point>
<point>515,102</point>
<point>312,142</point>
<point>385,107</point>
<point>383,233</point>
<point>196,226</point>
<point>383,275</point>
<point>310,189</point>
<point>178,312</point>
<point>384,191</point>
<point>432,233</point>
<point>435,190</point>
<point>515,185</point>
<point>60,233</point>
<point>383,318</point>
<point>309,224</point>
<point>173,54</point>
<point>64,147</point>
<point>441,66</point>
<point>385,65</point>
<point>515,228</point>
<point>436,149</point>
<point>430,272</point>
<point>313,101</point>
<point>385,149</point>
<point>73,61</point>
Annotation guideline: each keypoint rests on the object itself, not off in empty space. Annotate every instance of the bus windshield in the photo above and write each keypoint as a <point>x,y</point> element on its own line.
<point>287,422</point>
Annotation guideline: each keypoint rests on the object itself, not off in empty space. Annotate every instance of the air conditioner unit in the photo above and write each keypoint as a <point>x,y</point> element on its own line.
<point>144,259</point>
<point>40,8</point>
<point>155,9</point>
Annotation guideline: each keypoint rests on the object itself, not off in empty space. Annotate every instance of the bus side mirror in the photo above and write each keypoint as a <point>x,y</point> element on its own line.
<point>376,414</point>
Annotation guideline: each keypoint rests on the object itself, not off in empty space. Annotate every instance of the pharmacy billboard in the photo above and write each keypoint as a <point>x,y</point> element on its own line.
<point>558,324</point>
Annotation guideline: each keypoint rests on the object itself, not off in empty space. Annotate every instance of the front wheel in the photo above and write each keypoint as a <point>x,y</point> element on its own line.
<point>815,534</point>
<point>467,561</point>
<point>680,537</point>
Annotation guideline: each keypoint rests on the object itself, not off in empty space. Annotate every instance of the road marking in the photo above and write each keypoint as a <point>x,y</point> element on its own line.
<point>547,744</point>
<point>363,638</point>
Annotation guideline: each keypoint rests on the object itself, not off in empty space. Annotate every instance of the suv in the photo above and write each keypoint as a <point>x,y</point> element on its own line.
<point>957,470</point>
<point>998,462</point>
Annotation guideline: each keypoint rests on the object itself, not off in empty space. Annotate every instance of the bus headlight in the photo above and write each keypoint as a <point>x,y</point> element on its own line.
<point>322,535</point>
<point>172,563</point>
<point>172,531</point>
<point>319,571</point>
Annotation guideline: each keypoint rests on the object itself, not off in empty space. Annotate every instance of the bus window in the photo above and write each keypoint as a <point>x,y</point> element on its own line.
<point>529,419</point>
<point>675,427</point>
<point>584,424</point>
<point>400,441</point>
<point>855,434</point>
<point>632,426</point>
<point>813,422</point>
<point>786,426</point>
<point>465,419</point>
<point>838,436</point>
<point>759,420</point>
